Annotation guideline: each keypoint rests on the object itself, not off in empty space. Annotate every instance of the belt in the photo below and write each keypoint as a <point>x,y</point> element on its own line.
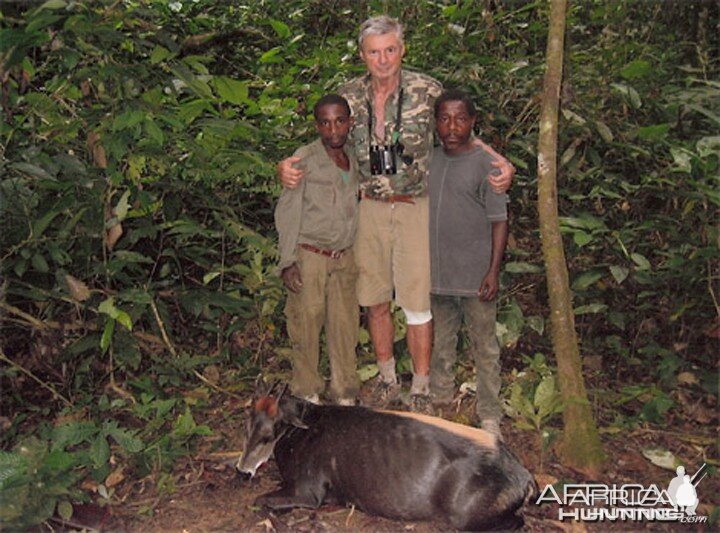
<point>332,254</point>
<point>396,198</point>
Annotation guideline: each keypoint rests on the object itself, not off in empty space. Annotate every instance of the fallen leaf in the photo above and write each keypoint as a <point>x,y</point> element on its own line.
<point>662,458</point>
<point>89,485</point>
<point>78,289</point>
<point>113,235</point>
<point>212,374</point>
<point>116,476</point>
<point>687,378</point>
<point>267,523</point>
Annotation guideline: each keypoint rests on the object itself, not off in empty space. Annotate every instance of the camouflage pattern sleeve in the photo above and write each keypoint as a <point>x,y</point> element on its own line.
<point>416,133</point>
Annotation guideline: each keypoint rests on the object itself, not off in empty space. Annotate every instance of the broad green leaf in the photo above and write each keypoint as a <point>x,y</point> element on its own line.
<point>11,465</point>
<point>282,29</point>
<point>641,261</point>
<point>546,397</point>
<point>586,279</point>
<point>54,4</point>
<point>230,90</point>
<point>571,115</point>
<point>107,335</point>
<point>128,119</point>
<point>126,439</point>
<point>154,131</point>
<point>137,296</point>
<point>207,278</point>
<point>367,372</point>
<point>582,238</point>
<point>65,510</point>
<point>107,307</point>
<point>536,323</point>
<point>568,155</point>
<point>682,159</point>
<point>100,451</point>
<point>195,83</point>
<point>39,263</point>
<point>510,323</point>
<point>189,111</point>
<point>619,273</point>
<point>604,131</point>
<point>590,309</point>
<point>655,133</point>
<point>584,221</point>
<point>124,319</point>
<point>271,56</point>
<point>121,208</point>
<point>521,404</point>
<point>132,257</point>
<point>630,94</point>
<point>42,223</point>
<point>706,112</point>
<point>636,69</point>
<point>159,53</point>
<point>708,146</point>
<point>60,460</point>
<point>32,170</point>
<point>20,267</point>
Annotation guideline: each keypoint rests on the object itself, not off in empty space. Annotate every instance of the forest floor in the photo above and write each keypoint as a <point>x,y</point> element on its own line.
<point>209,494</point>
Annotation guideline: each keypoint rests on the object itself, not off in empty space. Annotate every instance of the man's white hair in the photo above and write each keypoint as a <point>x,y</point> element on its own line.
<point>380,25</point>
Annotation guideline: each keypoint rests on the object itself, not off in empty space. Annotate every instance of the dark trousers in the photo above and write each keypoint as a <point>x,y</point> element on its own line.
<point>449,313</point>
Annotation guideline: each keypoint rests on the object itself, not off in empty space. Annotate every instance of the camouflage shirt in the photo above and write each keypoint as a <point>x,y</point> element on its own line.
<point>416,132</point>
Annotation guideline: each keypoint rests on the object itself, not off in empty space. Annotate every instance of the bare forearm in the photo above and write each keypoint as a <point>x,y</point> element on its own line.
<point>499,242</point>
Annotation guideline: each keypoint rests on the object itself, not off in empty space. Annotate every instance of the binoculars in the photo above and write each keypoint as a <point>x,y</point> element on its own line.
<point>383,158</point>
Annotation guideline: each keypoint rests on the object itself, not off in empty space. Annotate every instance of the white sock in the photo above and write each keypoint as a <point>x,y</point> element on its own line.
<point>387,370</point>
<point>420,385</point>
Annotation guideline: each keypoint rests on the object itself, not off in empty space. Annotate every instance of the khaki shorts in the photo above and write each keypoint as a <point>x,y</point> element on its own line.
<point>392,251</point>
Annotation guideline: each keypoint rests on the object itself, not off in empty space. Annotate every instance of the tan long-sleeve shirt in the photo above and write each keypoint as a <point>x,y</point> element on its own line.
<point>322,211</point>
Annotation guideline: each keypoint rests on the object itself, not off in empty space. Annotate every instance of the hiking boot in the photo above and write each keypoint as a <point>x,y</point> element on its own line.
<point>380,394</point>
<point>420,403</point>
<point>491,425</point>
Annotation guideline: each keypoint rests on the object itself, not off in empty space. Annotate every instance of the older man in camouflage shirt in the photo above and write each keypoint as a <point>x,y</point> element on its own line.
<point>393,140</point>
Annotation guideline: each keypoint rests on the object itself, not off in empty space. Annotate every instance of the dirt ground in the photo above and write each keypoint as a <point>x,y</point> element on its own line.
<point>209,494</point>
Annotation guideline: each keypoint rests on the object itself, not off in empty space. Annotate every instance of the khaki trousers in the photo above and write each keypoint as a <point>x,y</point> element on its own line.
<point>328,299</point>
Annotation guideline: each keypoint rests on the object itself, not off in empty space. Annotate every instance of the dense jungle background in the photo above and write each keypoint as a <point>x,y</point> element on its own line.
<point>138,298</point>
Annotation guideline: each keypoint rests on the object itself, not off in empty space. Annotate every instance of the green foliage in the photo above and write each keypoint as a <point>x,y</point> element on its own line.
<point>39,476</point>
<point>34,481</point>
<point>533,398</point>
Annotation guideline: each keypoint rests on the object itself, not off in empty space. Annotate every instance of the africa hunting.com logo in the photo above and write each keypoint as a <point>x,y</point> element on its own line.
<point>594,502</point>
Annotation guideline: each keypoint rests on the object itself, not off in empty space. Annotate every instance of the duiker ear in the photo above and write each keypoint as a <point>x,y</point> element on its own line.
<point>293,420</point>
<point>289,412</point>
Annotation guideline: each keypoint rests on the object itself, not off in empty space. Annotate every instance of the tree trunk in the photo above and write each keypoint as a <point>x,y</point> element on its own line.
<point>580,447</point>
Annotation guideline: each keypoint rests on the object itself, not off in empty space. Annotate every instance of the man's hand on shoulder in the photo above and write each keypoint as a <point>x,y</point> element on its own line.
<point>500,181</point>
<point>501,177</point>
<point>288,173</point>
